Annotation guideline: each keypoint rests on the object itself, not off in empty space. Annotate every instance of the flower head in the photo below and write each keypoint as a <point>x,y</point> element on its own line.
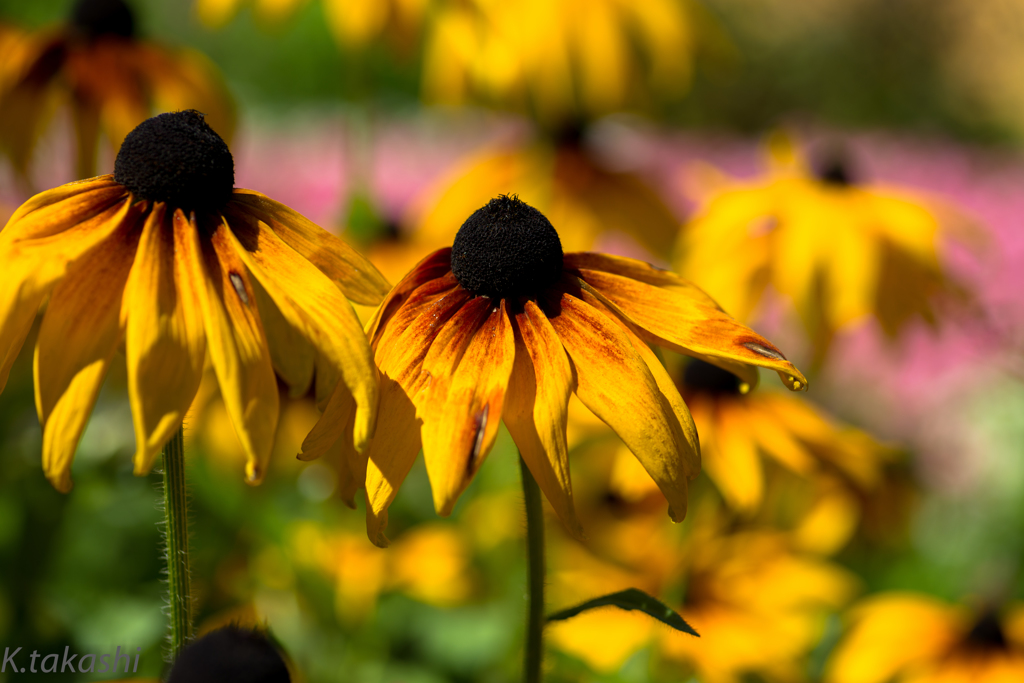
<point>168,259</point>
<point>567,182</point>
<point>504,326</point>
<point>559,59</point>
<point>914,637</point>
<point>109,78</point>
<point>739,430</point>
<point>840,249</point>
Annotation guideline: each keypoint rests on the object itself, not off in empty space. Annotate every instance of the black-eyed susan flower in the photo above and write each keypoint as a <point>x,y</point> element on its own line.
<point>903,637</point>
<point>503,326</point>
<point>566,182</point>
<point>559,59</point>
<point>840,249</point>
<point>740,428</point>
<point>168,259</point>
<point>107,77</point>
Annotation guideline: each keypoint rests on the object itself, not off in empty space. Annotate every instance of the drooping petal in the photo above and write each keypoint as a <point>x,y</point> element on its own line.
<point>62,208</point>
<point>536,409</point>
<point>235,339</point>
<point>690,455</point>
<point>467,370</point>
<point>615,383</point>
<point>390,456</point>
<point>33,266</point>
<point>314,306</point>
<point>165,345</point>
<point>734,464</point>
<point>329,429</point>
<point>78,336</point>
<point>293,357</point>
<point>402,344</point>
<point>358,278</point>
<point>773,438</point>
<point>676,314</point>
<point>431,268</point>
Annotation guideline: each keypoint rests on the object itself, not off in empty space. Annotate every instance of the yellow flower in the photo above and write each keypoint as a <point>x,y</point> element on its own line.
<point>430,563</point>
<point>565,183</point>
<point>559,59</point>
<point>353,23</point>
<point>502,326</point>
<point>110,80</point>
<point>738,429</point>
<point>217,13</point>
<point>166,257</point>
<point>759,606</point>
<point>840,250</point>
<point>912,637</point>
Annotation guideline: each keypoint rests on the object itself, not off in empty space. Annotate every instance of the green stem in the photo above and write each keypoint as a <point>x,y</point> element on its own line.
<point>176,509</point>
<point>535,584</point>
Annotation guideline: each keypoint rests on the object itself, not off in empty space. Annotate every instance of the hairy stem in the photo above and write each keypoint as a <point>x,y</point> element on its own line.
<point>176,510</point>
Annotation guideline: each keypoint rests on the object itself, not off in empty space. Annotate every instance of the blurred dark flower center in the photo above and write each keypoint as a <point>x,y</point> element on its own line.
<point>103,18</point>
<point>834,168</point>
<point>176,158</point>
<point>987,633</point>
<point>506,249</point>
<point>230,655</point>
<point>702,377</point>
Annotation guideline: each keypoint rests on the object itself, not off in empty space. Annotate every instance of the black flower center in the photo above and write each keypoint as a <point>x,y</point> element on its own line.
<point>103,18</point>
<point>230,654</point>
<point>987,633</point>
<point>709,379</point>
<point>506,249</point>
<point>834,168</point>
<point>178,159</point>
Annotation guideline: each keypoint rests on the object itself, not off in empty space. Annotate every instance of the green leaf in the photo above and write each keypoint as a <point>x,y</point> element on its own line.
<point>630,599</point>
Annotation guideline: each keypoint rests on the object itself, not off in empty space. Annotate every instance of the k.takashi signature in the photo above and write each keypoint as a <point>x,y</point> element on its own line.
<point>69,663</point>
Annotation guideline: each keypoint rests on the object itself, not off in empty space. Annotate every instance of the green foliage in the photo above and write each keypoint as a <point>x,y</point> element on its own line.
<point>630,599</point>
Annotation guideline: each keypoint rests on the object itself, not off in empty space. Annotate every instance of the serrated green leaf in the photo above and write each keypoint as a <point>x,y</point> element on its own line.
<point>630,599</point>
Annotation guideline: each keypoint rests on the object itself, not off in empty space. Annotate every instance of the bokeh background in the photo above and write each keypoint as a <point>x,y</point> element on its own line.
<point>844,175</point>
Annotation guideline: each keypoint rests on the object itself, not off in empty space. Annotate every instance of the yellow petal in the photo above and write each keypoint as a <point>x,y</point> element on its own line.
<point>235,339</point>
<point>676,314</point>
<point>773,438</point>
<point>331,425</point>
<point>63,208</point>
<point>468,366</point>
<point>390,456</point>
<point>358,278</point>
<point>164,341</point>
<point>430,269</point>
<point>35,254</point>
<point>401,345</point>
<point>314,306</point>
<point>536,408</point>
<point>615,383</point>
<point>734,464</point>
<point>78,336</point>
